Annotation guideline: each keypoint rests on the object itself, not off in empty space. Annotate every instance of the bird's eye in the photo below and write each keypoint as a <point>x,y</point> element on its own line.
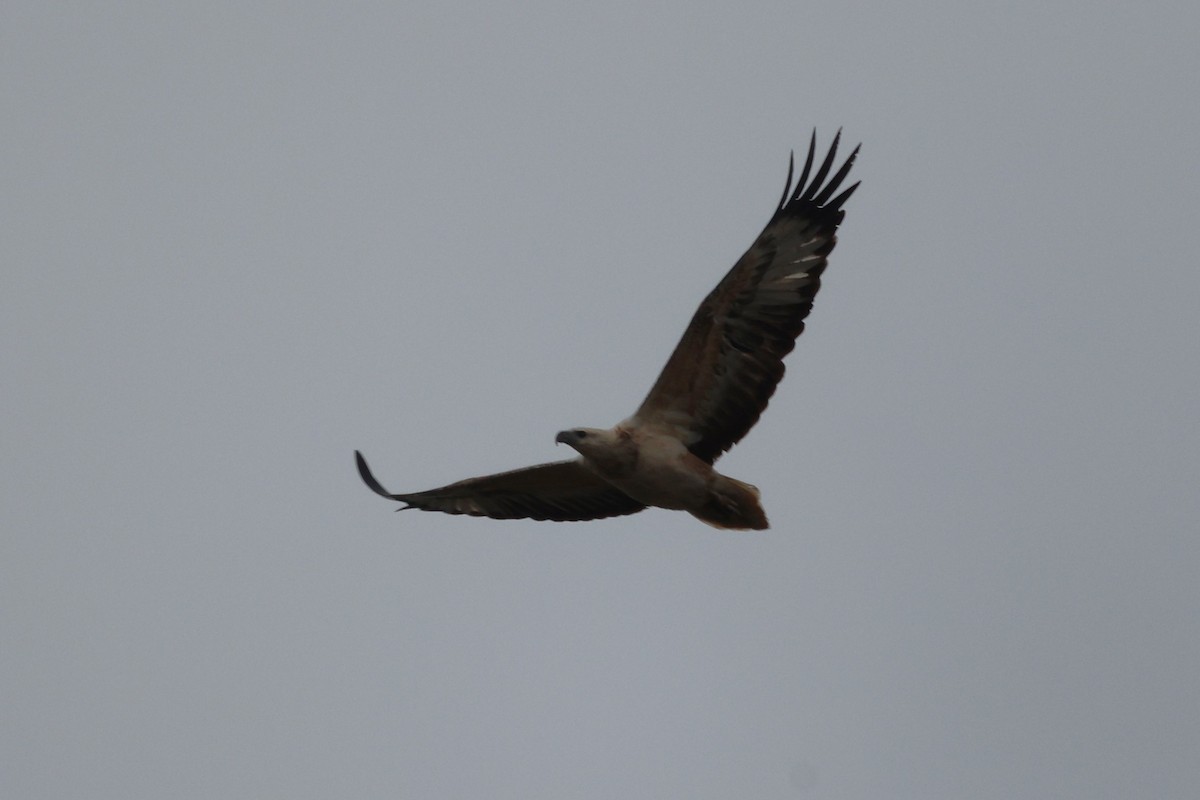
<point>581,434</point>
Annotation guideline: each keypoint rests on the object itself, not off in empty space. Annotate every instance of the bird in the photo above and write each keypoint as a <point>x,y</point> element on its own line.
<point>711,392</point>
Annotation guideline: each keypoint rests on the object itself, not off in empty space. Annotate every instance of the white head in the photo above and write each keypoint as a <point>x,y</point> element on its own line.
<point>611,452</point>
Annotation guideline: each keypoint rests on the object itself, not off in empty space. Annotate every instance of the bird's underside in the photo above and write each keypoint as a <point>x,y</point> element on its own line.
<point>709,394</point>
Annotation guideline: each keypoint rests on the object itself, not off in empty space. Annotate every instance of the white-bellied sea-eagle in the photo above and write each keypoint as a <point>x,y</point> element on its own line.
<point>710,393</point>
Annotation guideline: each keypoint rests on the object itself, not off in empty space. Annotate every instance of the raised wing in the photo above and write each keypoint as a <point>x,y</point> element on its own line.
<point>564,491</point>
<point>725,368</point>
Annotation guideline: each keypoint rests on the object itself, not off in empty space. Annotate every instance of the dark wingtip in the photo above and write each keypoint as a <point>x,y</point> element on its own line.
<point>812,188</point>
<point>364,472</point>
<point>787,185</point>
<point>836,181</point>
<point>808,162</point>
<point>822,171</point>
<point>843,197</point>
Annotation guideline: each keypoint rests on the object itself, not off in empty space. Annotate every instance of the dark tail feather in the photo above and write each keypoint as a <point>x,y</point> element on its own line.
<point>733,505</point>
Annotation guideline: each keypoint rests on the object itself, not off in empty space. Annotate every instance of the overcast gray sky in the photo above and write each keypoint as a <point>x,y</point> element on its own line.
<point>242,240</point>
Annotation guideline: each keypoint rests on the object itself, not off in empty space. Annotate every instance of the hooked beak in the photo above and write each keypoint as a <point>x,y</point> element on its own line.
<point>566,437</point>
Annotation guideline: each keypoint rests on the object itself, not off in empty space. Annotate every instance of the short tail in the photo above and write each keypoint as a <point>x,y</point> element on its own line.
<point>732,505</point>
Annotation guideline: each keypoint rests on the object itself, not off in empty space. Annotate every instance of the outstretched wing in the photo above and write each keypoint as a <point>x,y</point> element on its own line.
<point>564,491</point>
<point>725,368</point>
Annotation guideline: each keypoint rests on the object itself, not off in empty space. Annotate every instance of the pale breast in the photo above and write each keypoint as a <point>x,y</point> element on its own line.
<point>667,475</point>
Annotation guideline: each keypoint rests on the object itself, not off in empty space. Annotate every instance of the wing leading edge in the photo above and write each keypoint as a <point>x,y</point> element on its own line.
<point>564,491</point>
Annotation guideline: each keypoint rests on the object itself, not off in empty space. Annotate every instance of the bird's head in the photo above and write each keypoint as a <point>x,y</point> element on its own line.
<point>584,439</point>
<point>612,452</point>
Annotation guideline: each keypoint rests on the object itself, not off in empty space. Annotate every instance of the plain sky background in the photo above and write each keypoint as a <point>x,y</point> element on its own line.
<point>240,241</point>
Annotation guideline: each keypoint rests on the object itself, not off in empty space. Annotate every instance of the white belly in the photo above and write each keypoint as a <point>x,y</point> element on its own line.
<point>667,476</point>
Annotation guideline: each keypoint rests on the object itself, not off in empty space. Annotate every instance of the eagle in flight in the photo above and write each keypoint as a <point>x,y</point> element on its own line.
<point>712,390</point>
